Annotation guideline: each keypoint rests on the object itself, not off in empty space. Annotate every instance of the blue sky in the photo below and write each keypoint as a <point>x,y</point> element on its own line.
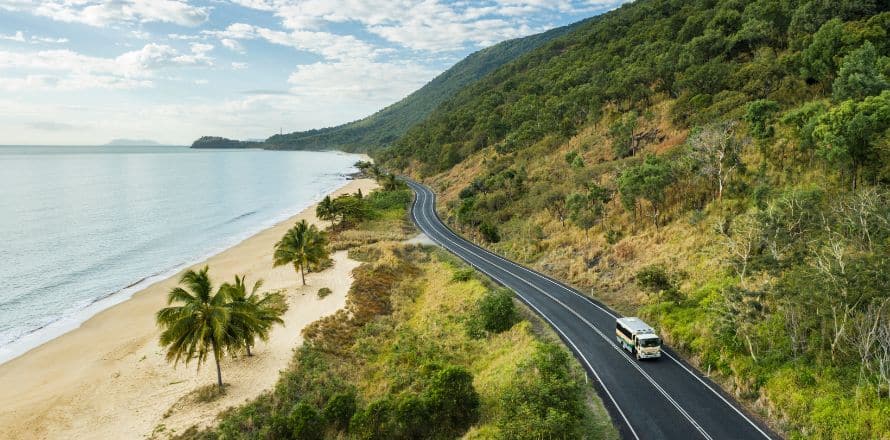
<point>88,71</point>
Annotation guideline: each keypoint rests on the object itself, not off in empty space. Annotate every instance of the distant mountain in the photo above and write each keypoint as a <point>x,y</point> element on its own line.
<point>132,142</point>
<point>221,142</point>
<point>387,125</point>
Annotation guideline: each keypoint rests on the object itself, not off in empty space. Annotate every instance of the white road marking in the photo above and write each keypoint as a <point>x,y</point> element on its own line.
<point>608,312</point>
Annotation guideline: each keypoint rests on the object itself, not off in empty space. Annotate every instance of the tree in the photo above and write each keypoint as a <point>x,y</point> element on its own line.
<point>497,311</point>
<point>453,401</point>
<point>622,134</point>
<point>302,246</point>
<point>339,410</point>
<point>646,181</point>
<point>848,134</point>
<point>325,210</point>
<point>760,115</point>
<point>391,182</point>
<point>819,59</point>
<point>199,326</point>
<point>859,75</point>
<point>744,241</point>
<point>350,209</point>
<point>252,314</point>
<point>716,149</point>
<point>305,422</point>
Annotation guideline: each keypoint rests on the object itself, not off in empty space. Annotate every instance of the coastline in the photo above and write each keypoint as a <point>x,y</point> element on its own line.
<point>108,377</point>
<point>67,323</point>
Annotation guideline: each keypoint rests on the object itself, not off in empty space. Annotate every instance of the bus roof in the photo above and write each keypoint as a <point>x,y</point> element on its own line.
<point>635,325</point>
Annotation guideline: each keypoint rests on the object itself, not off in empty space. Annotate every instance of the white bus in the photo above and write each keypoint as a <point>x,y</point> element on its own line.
<point>637,337</point>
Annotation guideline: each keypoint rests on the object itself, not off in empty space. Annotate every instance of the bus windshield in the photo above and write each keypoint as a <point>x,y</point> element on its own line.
<point>650,342</point>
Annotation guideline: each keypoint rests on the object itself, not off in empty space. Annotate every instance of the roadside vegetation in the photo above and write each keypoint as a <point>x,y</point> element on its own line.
<point>425,348</point>
<point>720,168</point>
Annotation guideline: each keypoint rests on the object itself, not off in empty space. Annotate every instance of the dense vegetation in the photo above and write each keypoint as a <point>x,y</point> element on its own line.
<point>387,125</point>
<point>718,166</point>
<point>221,142</point>
<point>424,349</point>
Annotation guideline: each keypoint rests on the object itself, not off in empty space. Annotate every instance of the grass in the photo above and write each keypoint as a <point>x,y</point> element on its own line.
<point>407,316</point>
<point>324,292</point>
<point>207,393</point>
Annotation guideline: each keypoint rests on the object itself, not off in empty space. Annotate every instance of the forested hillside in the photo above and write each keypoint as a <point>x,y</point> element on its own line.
<point>719,167</point>
<point>387,125</point>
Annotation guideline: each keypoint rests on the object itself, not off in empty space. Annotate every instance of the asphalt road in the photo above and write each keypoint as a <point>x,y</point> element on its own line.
<point>653,399</point>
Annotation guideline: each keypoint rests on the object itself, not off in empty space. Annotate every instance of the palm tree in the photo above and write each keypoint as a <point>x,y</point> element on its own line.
<point>252,314</point>
<point>199,325</point>
<point>301,246</point>
<point>326,210</point>
<point>390,182</point>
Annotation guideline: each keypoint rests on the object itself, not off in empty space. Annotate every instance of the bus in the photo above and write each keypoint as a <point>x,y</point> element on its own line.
<point>638,338</point>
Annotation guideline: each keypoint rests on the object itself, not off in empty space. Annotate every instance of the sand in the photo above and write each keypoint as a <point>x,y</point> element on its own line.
<point>108,379</point>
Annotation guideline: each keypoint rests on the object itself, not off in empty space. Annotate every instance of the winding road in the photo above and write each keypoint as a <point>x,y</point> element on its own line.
<point>660,399</point>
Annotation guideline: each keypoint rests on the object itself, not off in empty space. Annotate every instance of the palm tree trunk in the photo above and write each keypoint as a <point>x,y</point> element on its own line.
<point>248,350</point>
<point>303,274</point>
<point>218,371</point>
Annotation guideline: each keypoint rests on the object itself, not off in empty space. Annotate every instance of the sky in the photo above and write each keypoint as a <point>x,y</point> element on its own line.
<point>83,72</point>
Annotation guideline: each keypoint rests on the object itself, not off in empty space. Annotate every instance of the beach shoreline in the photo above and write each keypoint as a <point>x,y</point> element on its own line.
<point>108,378</point>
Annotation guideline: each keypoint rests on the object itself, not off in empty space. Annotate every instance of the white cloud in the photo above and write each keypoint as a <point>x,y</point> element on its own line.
<point>48,40</point>
<point>69,70</point>
<point>359,80</point>
<point>140,34</point>
<point>427,25</point>
<point>232,45</point>
<point>326,44</point>
<point>19,36</point>
<point>102,13</point>
<point>239,66</point>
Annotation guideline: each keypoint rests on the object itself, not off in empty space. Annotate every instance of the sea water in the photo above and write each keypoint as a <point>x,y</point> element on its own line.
<point>82,228</point>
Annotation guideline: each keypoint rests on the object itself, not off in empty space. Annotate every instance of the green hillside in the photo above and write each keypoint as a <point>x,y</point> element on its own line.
<point>718,167</point>
<point>387,125</point>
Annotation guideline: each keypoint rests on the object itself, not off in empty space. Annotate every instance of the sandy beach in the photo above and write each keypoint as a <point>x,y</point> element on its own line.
<point>109,379</point>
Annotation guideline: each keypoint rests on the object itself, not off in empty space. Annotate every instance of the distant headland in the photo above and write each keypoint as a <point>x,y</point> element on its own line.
<point>221,142</point>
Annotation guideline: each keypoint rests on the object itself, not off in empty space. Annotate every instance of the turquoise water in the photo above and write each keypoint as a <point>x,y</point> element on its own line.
<point>82,228</point>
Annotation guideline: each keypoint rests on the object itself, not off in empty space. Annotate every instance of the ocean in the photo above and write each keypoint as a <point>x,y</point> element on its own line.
<point>83,228</point>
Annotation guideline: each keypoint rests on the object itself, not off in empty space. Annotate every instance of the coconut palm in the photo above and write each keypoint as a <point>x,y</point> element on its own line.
<point>326,210</point>
<point>198,325</point>
<point>390,182</point>
<point>302,245</point>
<point>252,314</point>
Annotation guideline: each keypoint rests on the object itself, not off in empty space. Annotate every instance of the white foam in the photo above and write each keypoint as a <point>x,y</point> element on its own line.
<point>79,315</point>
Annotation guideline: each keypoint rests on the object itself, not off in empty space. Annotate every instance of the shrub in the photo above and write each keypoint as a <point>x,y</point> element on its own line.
<point>208,393</point>
<point>411,418</point>
<point>372,422</point>
<point>489,232</point>
<point>305,423</point>
<point>544,400</point>
<point>453,402</point>
<point>462,275</point>
<point>497,311</point>
<point>654,279</point>
<point>323,292</point>
<point>339,410</point>
<point>386,200</point>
